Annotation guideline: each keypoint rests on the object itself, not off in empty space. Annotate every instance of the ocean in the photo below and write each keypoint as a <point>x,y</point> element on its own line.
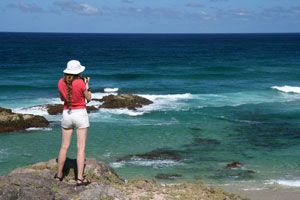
<point>218,98</point>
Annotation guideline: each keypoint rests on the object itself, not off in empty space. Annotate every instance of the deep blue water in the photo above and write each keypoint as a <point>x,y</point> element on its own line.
<point>213,101</point>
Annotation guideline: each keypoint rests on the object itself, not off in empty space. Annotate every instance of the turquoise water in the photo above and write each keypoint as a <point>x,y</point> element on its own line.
<point>218,98</point>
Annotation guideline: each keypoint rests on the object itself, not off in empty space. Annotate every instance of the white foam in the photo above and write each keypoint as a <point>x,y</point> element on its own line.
<point>287,89</point>
<point>117,164</point>
<point>38,129</point>
<point>110,90</point>
<point>100,95</point>
<point>122,111</point>
<point>145,162</point>
<point>290,183</point>
<point>35,110</point>
<point>169,97</point>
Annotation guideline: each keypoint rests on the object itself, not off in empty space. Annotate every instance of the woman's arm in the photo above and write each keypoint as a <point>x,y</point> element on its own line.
<point>87,93</point>
<point>61,96</point>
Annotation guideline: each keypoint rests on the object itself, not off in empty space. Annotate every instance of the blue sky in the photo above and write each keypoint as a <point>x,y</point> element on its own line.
<point>150,16</point>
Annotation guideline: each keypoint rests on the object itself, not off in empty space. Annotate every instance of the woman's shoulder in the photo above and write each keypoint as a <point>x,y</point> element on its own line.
<point>78,81</point>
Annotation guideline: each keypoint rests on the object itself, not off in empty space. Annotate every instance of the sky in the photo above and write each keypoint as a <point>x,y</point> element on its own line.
<point>150,16</point>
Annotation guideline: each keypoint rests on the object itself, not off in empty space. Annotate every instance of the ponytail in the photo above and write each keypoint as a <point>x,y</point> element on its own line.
<point>68,79</point>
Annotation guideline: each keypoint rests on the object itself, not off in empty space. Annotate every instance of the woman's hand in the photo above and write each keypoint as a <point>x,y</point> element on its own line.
<point>87,80</point>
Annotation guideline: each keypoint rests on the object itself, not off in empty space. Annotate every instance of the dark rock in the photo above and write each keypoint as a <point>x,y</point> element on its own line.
<point>124,101</point>
<point>10,121</point>
<point>91,108</point>
<point>167,176</point>
<point>158,154</point>
<point>54,109</point>
<point>202,141</point>
<point>235,164</point>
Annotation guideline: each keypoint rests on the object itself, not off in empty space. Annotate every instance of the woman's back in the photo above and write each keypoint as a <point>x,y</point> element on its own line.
<point>77,97</point>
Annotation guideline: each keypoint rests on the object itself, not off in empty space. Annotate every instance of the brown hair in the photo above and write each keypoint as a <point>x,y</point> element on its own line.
<point>68,79</point>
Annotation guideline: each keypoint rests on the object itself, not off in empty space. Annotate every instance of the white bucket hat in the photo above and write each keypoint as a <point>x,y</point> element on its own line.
<point>74,67</point>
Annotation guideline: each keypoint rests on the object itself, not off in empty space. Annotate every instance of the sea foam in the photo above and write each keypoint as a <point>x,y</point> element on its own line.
<point>110,90</point>
<point>287,89</point>
<point>146,163</point>
<point>289,183</point>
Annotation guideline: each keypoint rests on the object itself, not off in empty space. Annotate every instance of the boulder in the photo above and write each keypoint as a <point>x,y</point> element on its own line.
<point>37,182</point>
<point>54,109</point>
<point>10,121</point>
<point>157,154</point>
<point>167,176</point>
<point>128,101</point>
<point>235,164</point>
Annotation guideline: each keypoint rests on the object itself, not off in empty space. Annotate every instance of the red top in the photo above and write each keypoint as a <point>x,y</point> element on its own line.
<point>78,99</point>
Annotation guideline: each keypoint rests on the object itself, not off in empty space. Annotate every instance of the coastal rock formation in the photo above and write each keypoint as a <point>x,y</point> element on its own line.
<point>54,109</point>
<point>157,154</point>
<point>37,182</point>
<point>167,176</point>
<point>10,121</point>
<point>128,101</point>
<point>235,164</point>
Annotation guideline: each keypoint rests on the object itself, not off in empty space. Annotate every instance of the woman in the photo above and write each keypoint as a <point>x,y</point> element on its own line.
<point>73,91</point>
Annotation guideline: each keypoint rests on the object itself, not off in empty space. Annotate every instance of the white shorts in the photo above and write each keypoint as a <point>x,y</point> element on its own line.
<point>77,118</point>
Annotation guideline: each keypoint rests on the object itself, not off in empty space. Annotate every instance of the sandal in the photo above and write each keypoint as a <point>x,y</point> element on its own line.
<point>83,181</point>
<point>60,179</point>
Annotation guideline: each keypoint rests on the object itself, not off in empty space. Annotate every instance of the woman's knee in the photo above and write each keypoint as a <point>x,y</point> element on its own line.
<point>65,147</point>
<point>81,147</point>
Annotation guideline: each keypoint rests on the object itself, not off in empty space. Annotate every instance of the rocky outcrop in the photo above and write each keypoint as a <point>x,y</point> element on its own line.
<point>10,121</point>
<point>167,176</point>
<point>157,154</point>
<point>55,109</point>
<point>36,182</point>
<point>234,164</point>
<point>128,101</point>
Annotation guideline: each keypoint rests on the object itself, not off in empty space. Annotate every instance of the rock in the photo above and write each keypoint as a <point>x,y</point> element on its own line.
<point>167,176</point>
<point>10,121</point>
<point>54,109</point>
<point>124,101</point>
<point>91,108</point>
<point>36,182</point>
<point>235,164</point>
<point>158,154</point>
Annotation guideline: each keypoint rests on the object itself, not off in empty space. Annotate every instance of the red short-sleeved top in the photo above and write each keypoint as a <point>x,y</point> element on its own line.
<point>78,99</point>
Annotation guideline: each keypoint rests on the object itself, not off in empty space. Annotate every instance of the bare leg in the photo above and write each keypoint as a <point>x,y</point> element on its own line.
<point>66,140</point>
<point>81,140</point>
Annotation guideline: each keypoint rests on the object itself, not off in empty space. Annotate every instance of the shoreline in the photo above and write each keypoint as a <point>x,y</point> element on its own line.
<point>266,193</point>
<point>250,190</point>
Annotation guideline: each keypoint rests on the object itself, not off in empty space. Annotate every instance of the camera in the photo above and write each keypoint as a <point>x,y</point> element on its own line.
<point>82,77</point>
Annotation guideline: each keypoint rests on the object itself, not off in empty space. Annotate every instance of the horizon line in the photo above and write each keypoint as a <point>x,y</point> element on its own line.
<point>150,32</point>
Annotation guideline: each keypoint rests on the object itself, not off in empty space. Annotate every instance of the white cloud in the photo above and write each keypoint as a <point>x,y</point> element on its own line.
<point>72,6</point>
<point>27,7</point>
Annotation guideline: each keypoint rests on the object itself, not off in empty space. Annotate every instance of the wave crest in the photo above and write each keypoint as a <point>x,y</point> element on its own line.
<point>287,89</point>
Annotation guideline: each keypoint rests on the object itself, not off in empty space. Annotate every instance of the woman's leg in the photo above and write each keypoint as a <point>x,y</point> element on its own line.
<point>66,140</point>
<point>81,140</point>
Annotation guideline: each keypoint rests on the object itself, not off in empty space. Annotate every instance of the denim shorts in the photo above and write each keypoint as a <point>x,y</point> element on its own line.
<point>76,118</point>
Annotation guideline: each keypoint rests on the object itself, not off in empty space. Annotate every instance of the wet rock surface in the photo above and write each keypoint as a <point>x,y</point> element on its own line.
<point>167,176</point>
<point>129,101</point>
<point>234,164</point>
<point>37,182</point>
<point>55,109</point>
<point>157,154</point>
<point>10,121</point>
